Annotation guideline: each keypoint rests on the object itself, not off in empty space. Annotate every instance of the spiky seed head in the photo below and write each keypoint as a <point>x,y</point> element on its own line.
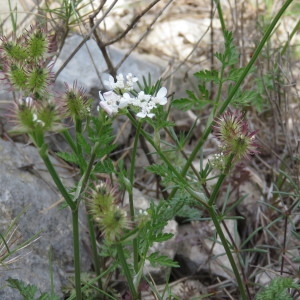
<point>235,137</point>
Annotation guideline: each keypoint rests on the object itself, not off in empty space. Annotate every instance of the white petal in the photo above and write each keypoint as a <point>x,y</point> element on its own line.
<point>163,101</point>
<point>150,115</point>
<point>106,107</point>
<point>141,114</point>
<point>111,97</point>
<point>162,92</point>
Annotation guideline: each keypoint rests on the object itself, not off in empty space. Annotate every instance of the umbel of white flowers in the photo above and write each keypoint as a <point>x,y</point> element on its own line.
<point>118,97</point>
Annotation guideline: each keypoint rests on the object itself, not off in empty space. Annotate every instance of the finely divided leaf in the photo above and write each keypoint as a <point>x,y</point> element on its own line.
<point>105,166</point>
<point>69,157</point>
<point>208,75</point>
<point>161,237</point>
<point>163,260</point>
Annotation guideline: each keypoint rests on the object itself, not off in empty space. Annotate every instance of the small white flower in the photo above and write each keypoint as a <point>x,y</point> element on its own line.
<point>109,102</point>
<point>143,114</point>
<point>125,100</point>
<point>119,97</point>
<point>120,81</point>
<point>160,97</point>
<point>130,81</point>
<point>120,85</point>
<point>110,83</point>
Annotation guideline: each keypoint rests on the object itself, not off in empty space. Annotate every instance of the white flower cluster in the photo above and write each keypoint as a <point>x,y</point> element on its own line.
<point>119,98</point>
<point>121,85</point>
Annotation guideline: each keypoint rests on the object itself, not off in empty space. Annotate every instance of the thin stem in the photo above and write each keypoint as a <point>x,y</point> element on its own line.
<point>221,17</point>
<point>89,168</point>
<point>131,205</point>
<point>73,205</point>
<point>255,55</point>
<point>76,250</point>
<point>219,183</point>
<point>225,244</point>
<point>233,91</point>
<point>180,178</point>
<point>78,130</point>
<point>69,140</point>
<point>44,155</point>
<point>287,44</point>
<point>96,257</point>
<point>218,97</point>
<point>126,271</point>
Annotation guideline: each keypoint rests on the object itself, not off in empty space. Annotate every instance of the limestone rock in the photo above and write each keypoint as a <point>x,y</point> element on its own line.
<point>24,183</point>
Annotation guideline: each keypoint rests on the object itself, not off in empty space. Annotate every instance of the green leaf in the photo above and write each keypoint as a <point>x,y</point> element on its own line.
<point>107,149</point>
<point>69,157</point>
<point>208,75</point>
<point>183,104</point>
<point>83,143</point>
<point>155,259</point>
<point>105,166</point>
<point>204,93</point>
<point>234,74</point>
<point>193,102</point>
<point>278,289</point>
<point>163,237</point>
<point>27,291</point>
<point>248,98</point>
<point>230,56</point>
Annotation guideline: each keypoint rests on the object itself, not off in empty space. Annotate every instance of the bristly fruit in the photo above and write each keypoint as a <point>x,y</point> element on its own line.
<point>74,102</point>
<point>109,216</point>
<point>235,137</point>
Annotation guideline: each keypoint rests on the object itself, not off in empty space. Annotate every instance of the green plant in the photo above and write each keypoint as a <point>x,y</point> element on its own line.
<point>128,236</point>
<point>277,289</point>
<point>29,292</point>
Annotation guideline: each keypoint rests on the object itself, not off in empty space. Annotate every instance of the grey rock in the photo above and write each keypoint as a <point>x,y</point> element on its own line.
<point>33,190</point>
<point>196,249</point>
<point>88,66</point>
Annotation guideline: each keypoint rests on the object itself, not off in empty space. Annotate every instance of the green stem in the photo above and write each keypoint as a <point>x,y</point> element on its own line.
<point>81,160</point>
<point>255,55</point>
<point>76,249</point>
<point>89,168</point>
<point>96,257</point>
<point>180,178</point>
<point>225,244</point>
<point>131,204</point>
<point>233,91</point>
<point>126,271</point>
<point>218,97</point>
<point>44,155</point>
<point>219,183</point>
<point>221,17</point>
<point>86,176</point>
<point>69,140</point>
<point>294,31</point>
